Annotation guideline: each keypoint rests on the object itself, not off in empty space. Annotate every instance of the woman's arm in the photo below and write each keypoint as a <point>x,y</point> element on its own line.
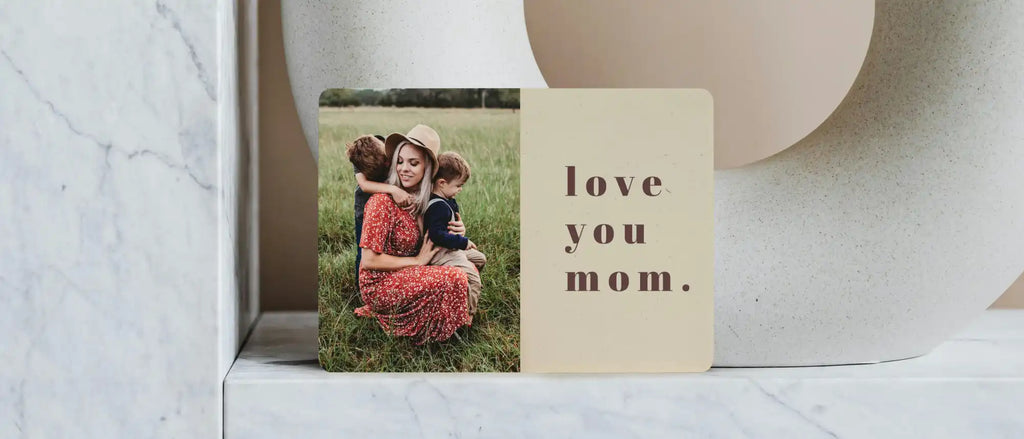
<point>457,227</point>
<point>385,262</point>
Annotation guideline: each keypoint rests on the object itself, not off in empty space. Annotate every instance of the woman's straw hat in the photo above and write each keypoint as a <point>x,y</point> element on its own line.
<point>420,135</point>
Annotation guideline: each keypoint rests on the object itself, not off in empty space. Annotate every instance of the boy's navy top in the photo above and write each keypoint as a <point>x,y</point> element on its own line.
<point>361,199</point>
<point>361,196</point>
<point>436,221</point>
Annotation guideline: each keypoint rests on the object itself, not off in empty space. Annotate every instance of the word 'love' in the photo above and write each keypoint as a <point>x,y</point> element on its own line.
<point>596,185</point>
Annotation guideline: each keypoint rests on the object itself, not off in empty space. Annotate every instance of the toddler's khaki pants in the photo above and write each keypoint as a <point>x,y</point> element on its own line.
<point>471,262</point>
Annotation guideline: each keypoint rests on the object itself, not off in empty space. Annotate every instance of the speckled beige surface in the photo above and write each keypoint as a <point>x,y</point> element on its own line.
<point>403,44</point>
<point>899,219</point>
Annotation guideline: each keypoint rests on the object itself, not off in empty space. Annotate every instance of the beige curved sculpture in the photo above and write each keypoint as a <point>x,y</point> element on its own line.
<point>776,69</point>
<point>900,218</point>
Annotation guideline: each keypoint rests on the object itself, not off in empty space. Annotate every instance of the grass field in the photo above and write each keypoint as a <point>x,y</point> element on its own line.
<point>489,140</point>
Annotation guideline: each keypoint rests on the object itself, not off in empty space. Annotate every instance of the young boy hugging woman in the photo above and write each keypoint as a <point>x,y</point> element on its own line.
<point>456,250</point>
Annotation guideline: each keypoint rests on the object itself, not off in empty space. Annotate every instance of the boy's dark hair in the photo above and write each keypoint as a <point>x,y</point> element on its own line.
<point>452,167</point>
<point>367,155</point>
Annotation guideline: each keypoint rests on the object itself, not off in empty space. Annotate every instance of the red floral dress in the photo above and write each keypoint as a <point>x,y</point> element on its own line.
<point>424,302</point>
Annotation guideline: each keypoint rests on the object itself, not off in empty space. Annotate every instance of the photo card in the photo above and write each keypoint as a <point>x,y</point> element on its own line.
<point>508,230</point>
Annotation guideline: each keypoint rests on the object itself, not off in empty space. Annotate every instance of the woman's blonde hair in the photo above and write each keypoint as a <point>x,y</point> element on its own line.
<point>422,197</point>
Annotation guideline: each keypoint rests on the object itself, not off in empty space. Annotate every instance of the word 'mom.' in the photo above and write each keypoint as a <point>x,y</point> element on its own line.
<point>619,281</point>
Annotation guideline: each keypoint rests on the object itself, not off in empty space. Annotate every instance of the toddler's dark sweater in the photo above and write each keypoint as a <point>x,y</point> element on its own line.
<point>436,222</point>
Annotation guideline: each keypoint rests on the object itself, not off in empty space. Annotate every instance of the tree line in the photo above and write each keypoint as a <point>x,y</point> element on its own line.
<point>422,97</point>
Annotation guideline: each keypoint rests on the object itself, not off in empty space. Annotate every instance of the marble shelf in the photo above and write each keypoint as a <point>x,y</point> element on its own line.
<point>970,386</point>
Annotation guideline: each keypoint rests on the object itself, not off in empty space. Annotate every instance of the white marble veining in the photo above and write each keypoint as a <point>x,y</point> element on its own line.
<point>119,217</point>
<point>970,386</point>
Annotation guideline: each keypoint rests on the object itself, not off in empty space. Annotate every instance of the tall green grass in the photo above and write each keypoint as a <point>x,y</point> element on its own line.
<point>489,141</point>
